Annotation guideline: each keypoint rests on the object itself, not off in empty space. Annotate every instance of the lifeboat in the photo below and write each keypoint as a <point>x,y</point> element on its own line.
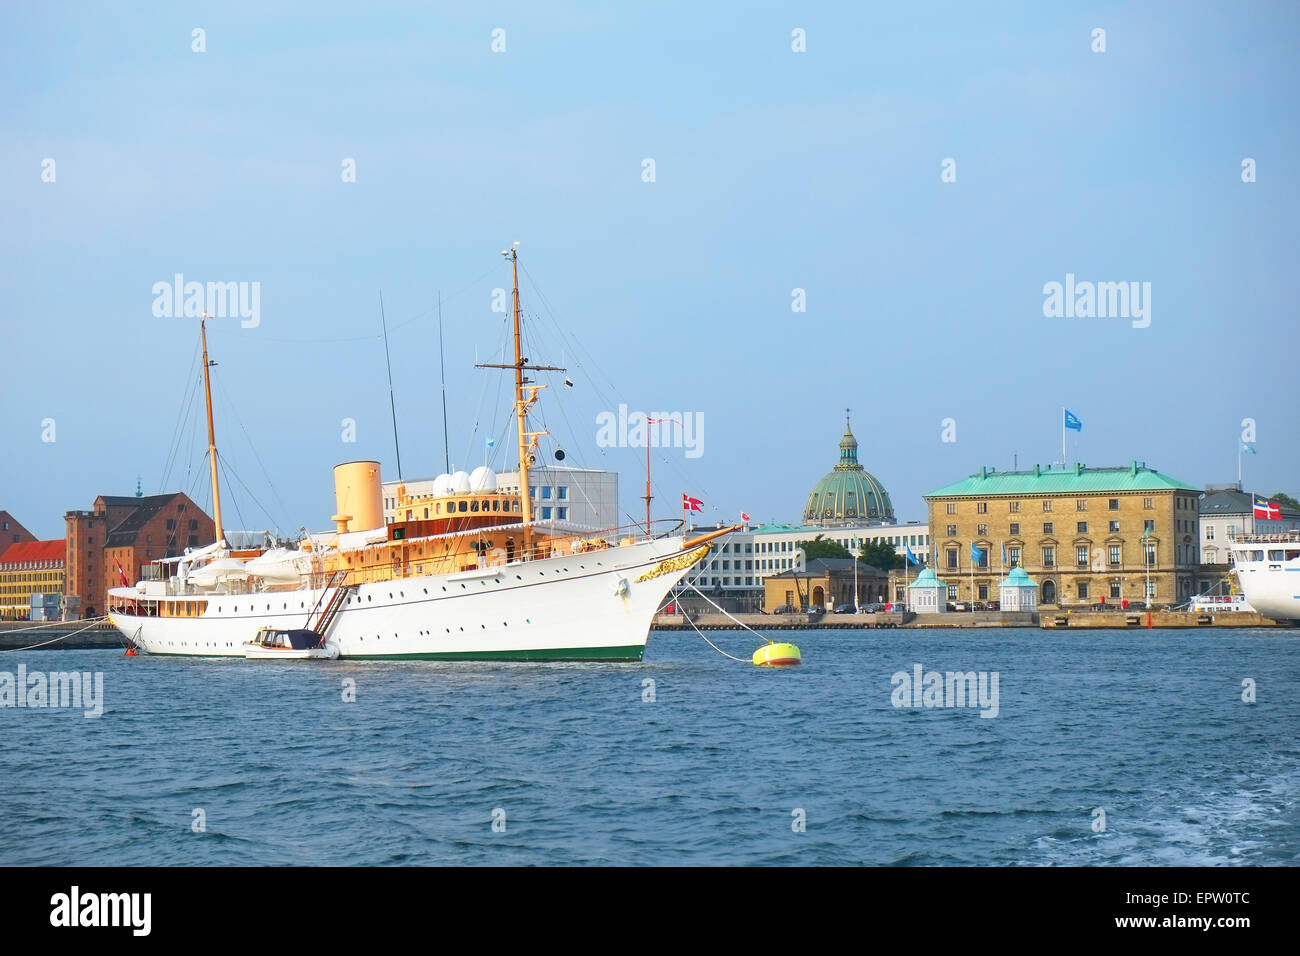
<point>274,643</point>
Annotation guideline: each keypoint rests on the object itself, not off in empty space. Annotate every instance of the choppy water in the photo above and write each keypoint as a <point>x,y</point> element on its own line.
<point>1148,725</point>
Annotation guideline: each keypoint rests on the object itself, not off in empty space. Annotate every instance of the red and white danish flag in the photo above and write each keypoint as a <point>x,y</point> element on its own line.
<point>691,504</point>
<point>122,574</point>
<point>744,517</point>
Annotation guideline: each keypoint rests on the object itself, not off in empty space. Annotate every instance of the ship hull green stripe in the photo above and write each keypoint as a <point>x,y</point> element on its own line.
<point>629,652</point>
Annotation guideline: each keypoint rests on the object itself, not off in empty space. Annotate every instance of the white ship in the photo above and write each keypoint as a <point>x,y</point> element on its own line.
<point>463,574</point>
<point>1268,571</point>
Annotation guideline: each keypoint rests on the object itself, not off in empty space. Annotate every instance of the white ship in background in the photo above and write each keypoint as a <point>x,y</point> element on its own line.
<point>472,578</point>
<point>1268,571</point>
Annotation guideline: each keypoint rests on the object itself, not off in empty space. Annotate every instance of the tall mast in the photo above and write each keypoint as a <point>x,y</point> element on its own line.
<point>442,368</point>
<point>521,403</point>
<point>525,398</point>
<point>212,439</point>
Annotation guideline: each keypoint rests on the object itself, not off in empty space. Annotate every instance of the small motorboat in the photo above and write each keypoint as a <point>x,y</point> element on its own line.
<point>274,643</point>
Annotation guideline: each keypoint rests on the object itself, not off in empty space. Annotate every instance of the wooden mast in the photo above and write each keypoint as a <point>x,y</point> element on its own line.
<point>212,440</point>
<point>525,398</point>
<point>521,404</point>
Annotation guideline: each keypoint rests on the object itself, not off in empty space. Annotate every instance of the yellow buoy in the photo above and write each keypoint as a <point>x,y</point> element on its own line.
<point>776,655</point>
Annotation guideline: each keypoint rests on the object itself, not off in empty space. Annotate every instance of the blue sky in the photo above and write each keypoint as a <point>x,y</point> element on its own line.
<point>774,170</point>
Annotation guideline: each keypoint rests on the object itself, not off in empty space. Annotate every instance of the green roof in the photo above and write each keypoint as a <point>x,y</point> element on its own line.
<point>1077,479</point>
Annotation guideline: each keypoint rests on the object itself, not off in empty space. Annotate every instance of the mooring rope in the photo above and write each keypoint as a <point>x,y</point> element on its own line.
<point>745,626</point>
<point>62,637</point>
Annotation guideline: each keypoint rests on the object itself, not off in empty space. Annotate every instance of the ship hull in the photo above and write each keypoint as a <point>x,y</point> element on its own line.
<point>1273,593</point>
<point>593,606</point>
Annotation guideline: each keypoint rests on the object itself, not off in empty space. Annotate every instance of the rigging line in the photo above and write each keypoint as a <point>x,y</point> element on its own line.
<point>469,452</point>
<point>244,485</point>
<point>173,447</point>
<point>579,350</point>
<point>173,454</point>
<point>225,470</point>
<point>230,406</point>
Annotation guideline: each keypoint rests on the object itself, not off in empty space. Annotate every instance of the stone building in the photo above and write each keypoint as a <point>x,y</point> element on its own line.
<point>110,544</point>
<point>825,583</point>
<point>11,532</point>
<point>1088,535</point>
<point>29,568</point>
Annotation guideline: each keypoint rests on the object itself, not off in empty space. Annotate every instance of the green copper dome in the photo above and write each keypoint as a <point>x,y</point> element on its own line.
<point>849,494</point>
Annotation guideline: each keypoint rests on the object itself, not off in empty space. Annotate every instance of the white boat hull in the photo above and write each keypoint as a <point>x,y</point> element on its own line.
<point>260,652</point>
<point>588,606</point>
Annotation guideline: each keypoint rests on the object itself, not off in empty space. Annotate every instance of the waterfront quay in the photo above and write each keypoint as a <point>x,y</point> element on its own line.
<point>1077,620</point>
<point>19,635</point>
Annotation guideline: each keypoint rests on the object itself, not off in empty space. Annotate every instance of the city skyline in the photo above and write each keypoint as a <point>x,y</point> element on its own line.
<point>782,179</point>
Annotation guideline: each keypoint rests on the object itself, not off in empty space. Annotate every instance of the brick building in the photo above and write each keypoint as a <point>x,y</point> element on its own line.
<point>11,532</point>
<point>27,568</point>
<point>1086,535</point>
<point>126,533</point>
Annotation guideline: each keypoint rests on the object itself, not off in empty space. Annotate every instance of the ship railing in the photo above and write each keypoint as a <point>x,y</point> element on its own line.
<point>1270,537</point>
<point>418,566</point>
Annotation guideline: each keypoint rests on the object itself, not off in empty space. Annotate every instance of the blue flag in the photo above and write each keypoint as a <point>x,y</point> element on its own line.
<point>1004,554</point>
<point>976,554</point>
<point>911,558</point>
<point>1248,447</point>
<point>1072,421</point>
<point>491,442</point>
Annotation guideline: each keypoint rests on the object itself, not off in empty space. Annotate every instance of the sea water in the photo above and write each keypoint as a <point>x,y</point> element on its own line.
<point>1107,747</point>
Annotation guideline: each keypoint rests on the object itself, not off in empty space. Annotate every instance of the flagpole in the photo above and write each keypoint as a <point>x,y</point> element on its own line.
<point>1064,459</point>
<point>972,577</point>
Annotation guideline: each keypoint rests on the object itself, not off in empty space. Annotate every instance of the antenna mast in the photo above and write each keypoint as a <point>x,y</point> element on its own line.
<point>391,403</point>
<point>442,367</point>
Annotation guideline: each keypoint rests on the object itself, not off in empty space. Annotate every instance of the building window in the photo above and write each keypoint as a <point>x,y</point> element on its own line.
<point>546,491</point>
<point>1150,550</point>
<point>984,592</point>
<point>1148,503</point>
<point>1080,504</point>
<point>1114,526</point>
<point>563,513</point>
<point>563,492</point>
<point>1083,590</point>
<point>1047,527</point>
<point>1013,556</point>
<point>1015,527</point>
<point>1081,556</point>
<point>1015,507</point>
<point>952,592</point>
<point>1150,588</point>
<point>1209,532</point>
<point>952,531</point>
<point>982,507</point>
<point>952,507</point>
<point>1047,504</point>
<point>982,530</point>
<point>1049,557</point>
<point>1149,525</point>
<point>546,514</point>
<point>1083,527</point>
<point>1114,555</point>
<point>1113,504</point>
<point>952,559</point>
<point>1115,590</point>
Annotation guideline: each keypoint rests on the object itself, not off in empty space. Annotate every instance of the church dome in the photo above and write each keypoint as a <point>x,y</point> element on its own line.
<point>849,494</point>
